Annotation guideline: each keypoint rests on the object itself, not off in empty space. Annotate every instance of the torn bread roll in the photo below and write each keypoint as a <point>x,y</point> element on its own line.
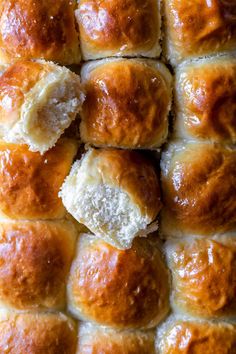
<point>38,101</point>
<point>115,193</point>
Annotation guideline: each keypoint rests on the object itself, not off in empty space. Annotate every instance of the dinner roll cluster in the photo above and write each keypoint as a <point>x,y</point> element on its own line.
<point>102,251</point>
<point>198,221</point>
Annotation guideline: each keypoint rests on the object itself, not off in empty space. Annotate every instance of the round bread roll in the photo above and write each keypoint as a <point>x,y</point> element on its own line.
<point>118,288</point>
<point>32,29</point>
<point>206,99</point>
<point>37,333</point>
<point>204,276</point>
<point>97,340</point>
<point>115,193</point>
<point>35,259</point>
<point>38,101</point>
<point>188,337</point>
<point>30,182</point>
<point>119,28</point>
<point>127,103</point>
<point>198,27</point>
<point>199,189</point>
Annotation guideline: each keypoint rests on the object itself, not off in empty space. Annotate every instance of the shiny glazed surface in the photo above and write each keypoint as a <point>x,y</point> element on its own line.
<point>122,289</point>
<point>118,25</point>
<point>38,29</point>
<point>199,189</point>
<point>127,105</point>
<point>30,182</point>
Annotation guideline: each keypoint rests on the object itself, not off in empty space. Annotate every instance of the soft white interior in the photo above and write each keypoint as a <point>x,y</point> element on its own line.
<point>49,109</point>
<point>107,211</point>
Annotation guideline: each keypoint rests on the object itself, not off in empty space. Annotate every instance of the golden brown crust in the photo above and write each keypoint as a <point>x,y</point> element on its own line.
<point>35,259</point>
<point>121,289</point>
<point>134,173</point>
<point>126,105</point>
<point>204,277</point>
<point>208,93</point>
<point>197,27</point>
<point>38,333</point>
<point>198,338</point>
<point>38,29</point>
<point>199,189</point>
<point>30,182</point>
<point>15,82</point>
<point>117,26</point>
<point>97,340</point>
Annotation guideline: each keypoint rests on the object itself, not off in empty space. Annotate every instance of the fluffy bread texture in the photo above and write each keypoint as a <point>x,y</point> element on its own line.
<point>203,276</point>
<point>205,91</point>
<point>115,193</point>
<point>127,103</point>
<point>38,101</point>
<point>99,340</point>
<point>121,289</point>
<point>197,28</point>
<point>178,336</point>
<point>30,182</point>
<point>37,333</point>
<point>35,259</point>
<point>119,28</point>
<point>199,189</point>
<point>44,29</point>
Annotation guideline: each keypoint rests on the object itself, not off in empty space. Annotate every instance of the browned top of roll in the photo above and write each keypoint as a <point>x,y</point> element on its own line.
<point>35,259</point>
<point>127,105</point>
<point>209,99</point>
<point>121,289</point>
<point>199,338</point>
<point>97,340</point>
<point>117,24</point>
<point>199,189</point>
<point>37,333</point>
<point>204,274</point>
<point>38,29</point>
<point>30,182</point>
<point>200,27</point>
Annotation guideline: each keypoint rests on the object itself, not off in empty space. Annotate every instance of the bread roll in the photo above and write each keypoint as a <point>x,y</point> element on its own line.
<point>198,27</point>
<point>116,288</point>
<point>119,28</point>
<point>115,193</point>
<point>37,333</point>
<point>32,29</point>
<point>97,340</point>
<point>30,182</point>
<point>199,189</point>
<point>38,101</point>
<point>35,259</point>
<point>127,103</point>
<point>198,337</point>
<point>204,276</point>
<point>206,99</point>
